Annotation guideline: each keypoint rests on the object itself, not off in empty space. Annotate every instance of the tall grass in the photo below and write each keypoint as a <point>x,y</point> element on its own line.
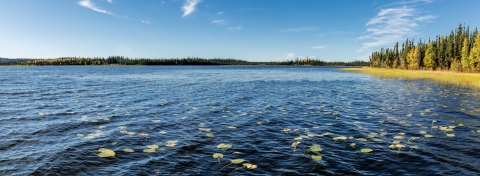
<point>448,77</point>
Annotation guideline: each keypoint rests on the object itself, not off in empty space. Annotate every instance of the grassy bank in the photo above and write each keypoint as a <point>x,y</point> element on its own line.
<point>461,79</point>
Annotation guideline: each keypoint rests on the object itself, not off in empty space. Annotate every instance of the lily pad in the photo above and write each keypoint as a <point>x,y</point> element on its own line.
<point>209,135</point>
<point>128,150</point>
<point>149,150</point>
<point>316,157</point>
<point>218,156</point>
<point>104,152</point>
<point>451,135</point>
<point>366,150</point>
<point>428,136</point>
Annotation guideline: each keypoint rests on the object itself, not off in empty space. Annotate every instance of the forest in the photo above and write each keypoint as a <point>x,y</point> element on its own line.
<point>121,60</point>
<point>459,51</point>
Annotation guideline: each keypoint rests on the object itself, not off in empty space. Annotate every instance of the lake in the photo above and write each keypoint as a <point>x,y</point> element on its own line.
<point>54,120</point>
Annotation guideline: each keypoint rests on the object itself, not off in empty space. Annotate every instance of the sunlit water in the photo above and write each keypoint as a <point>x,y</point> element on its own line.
<point>53,120</point>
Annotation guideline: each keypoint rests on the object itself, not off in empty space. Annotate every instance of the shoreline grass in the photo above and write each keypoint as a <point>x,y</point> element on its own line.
<point>448,77</point>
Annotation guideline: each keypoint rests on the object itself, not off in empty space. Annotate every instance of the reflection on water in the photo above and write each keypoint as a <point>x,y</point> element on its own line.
<point>262,120</point>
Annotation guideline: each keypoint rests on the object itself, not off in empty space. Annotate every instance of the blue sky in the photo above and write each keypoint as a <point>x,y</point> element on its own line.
<point>252,30</point>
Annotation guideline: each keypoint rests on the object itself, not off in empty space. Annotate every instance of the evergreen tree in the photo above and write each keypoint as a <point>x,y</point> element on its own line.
<point>429,60</point>
<point>465,60</point>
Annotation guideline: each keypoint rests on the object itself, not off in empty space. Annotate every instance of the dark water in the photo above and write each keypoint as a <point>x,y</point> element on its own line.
<point>54,119</point>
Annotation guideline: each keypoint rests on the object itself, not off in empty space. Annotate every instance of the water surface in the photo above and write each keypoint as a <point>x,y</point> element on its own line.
<point>53,120</point>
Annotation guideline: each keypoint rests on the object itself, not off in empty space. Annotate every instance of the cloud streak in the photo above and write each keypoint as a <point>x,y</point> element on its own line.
<point>391,25</point>
<point>299,29</point>
<point>319,47</point>
<point>218,21</point>
<point>235,28</point>
<point>110,1</point>
<point>189,7</point>
<point>90,5</point>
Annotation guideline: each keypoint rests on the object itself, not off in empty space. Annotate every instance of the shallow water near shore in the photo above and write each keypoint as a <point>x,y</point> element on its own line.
<point>53,121</point>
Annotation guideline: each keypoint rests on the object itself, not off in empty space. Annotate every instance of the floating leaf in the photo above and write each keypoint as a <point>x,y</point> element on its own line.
<point>451,135</point>
<point>428,136</point>
<point>128,150</point>
<point>362,139</point>
<point>423,132</point>
<point>131,133</point>
<point>218,156</point>
<point>316,157</point>
<point>340,138</point>
<point>366,150</point>
<point>250,166</point>
<point>315,148</point>
<point>209,135</point>
<point>149,150</point>
<point>398,137</point>
<point>298,138</point>
<point>352,145</point>
<point>154,147</point>
<point>232,127</point>
<point>104,152</point>
<point>237,161</point>
<point>171,143</point>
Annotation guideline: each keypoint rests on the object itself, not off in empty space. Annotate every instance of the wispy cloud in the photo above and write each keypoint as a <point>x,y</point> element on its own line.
<point>189,7</point>
<point>218,21</point>
<point>299,29</point>
<point>235,28</point>
<point>146,21</point>
<point>319,47</point>
<point>391,25</point>
<point>110,1</point>
<point>90,5</point>
<point>290,56</point>
<point>219,13</point>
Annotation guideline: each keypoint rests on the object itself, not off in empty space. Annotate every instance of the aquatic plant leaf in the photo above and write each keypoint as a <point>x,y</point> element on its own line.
<point>340,138</point>
<point>232,127</point>
<point>130,133</point>
<point>451,135</point>
<point>149,150</point>
<point>209,135</point>
<point>104,152</point>
<point>428,136</point>
<point>366,150</point>
<point>298,138</point>
<point>128,150</point>
<point>423,132</point>
<point>398,137</point>
<point>315,148</point>
<point>217,155</point>
<point>316,157</point>
<point>237,161</point>
<point>154,147</point>
<point>362,139</point>
<point>401,133</point>
<point>352,145</point>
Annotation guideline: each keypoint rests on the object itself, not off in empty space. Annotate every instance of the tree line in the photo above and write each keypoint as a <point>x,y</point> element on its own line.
<point>458,51</point>
<point>121,60</point>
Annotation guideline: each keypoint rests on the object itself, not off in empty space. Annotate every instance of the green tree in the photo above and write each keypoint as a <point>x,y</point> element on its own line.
<point>465,60</point>
<point>429,60</point>
<point>475,53</point>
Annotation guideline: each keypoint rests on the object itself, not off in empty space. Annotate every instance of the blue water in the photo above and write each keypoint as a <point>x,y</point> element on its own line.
<point>53,121</point>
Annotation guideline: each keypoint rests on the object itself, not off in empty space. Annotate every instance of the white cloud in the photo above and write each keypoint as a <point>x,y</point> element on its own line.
<point>334,33</point>
<point>299,29</point>
<point>290,56</point>
<point>235,28</point>
<point>218,21</point>
<point>146,22</point>
<point>219,13</point>
<point>319,47</point>
<point>189,7</point>
<point>110,1</point>
<point>391,25</point>
<point>90,5</point>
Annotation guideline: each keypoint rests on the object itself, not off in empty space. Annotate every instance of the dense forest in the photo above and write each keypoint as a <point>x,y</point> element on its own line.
<point>120,60</point>
<point>458,51</point>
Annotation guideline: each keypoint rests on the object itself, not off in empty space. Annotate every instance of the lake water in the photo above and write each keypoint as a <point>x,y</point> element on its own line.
<point>53,121</point>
